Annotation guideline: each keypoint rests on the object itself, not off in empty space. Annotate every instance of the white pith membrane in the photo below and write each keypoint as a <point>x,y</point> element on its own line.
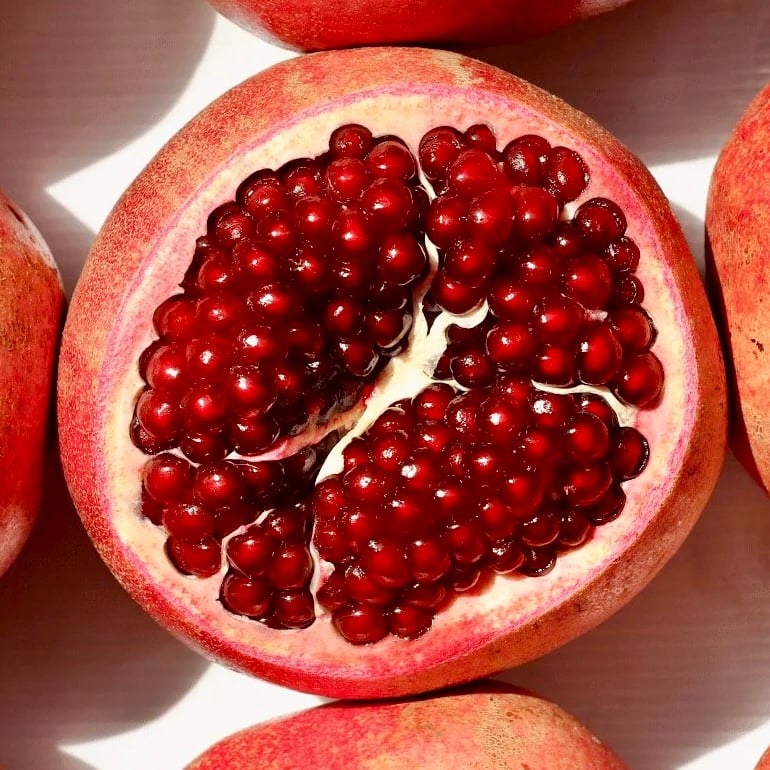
<point>470,621</point>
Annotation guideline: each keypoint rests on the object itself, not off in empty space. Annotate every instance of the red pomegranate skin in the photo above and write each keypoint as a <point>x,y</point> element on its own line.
<point>738,272</point>
<point>313,25</point>
<point>764,761</point>
<point>31,304</point>
<point>110,318</point>
<point>489,726</point>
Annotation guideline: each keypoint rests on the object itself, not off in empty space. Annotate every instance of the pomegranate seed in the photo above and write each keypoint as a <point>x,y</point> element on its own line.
<point>490,217</point>
<point>510,345</point>
<point>364,589</point>
<point>575,529</point>
<point>391,160</point>
<point>622,255</point>
<point>588,280</point>
<point>471,173</point>
<point>607,507</point>
<point>294,609</point>
<point>539,531</point>
<point>538,561</point>
<point>599,355</point>
<point>629,454</point>
<point>333,593</point>
<point>385,562</point>
<point>438,149</point>
<point>632,328</point>
<point>431,402</point>
<point>164,367</point>
<point>159,416</point>
<point>428,560</point>
<point>246,596</point>
<point>292,567</point>
<point>446,220</point>
<point>208,358</point>
<point>600,221</point>
<point>523,491</point>
<point>389,203</point>
<point>565,174</point>
<point>409,621</point>
<point>540,446</point>
<point>524,159</point>
<point>587,438</point>
<point>251,552</point>
<point>497,520</point>
<point>346,179</point>
<point>640,381</point>
<point>481,136</point>
<point>204,447</point>
<point>540,267</point>
<point>166,477</point>
<point>174,318</point>
<point>585,484</point>
<point>473,369</point>
<point>405,512</point>
<point>401,259</point>
<point>351,140</point>
<point>506,557</point>
<point>203,409</point>
<point>456,296</point>
<point>426,595</point>
<point>262,193</point>
<point>188,521</point>
<point>360,624</point>
<point>555,365</point>
<point>202,559</point>
<point>535,212</point>
<point>218,484</point>
<point>511,300</point>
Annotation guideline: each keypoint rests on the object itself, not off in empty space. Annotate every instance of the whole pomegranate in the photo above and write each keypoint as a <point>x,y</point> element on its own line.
<point>738,255</point>
<point>377,382</point>
<point>322,24</point>
<point>31,304</point>
<point>489,726</point>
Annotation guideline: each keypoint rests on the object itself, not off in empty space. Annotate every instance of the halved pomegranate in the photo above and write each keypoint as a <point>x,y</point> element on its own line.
<point>31,309</point>
<point>486,726</point>
<point>313,25</point>
<point>374,383</point>
<point>737,261</point>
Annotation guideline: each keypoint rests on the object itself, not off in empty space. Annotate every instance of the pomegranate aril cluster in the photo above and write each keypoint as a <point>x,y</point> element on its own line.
<point>297,295</point>
<point>565,304</point>
<point>448,488</point>
<point>300,291</point>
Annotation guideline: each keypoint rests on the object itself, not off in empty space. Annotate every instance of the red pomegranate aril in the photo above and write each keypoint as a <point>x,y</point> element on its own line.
<point>387,327</point>
<point>203,409</point>
<point>217,271</point>
<point>428,560</point>
<point>465,543</point>
<point>360,525</point>
<point>588,280</point>
<point>188,521</point>
<point>446,221</point>
<point>473,369</point>
<point>230,224</point>
<point>429,596</point>
<point>401,259</point>
<point>490,217</point>
<point>208,358</point>
<point>450,498</point>
<point>218,484</point>
<point>289,381</point>
<point>275,302</point>
<point>359,356</point>
<point>420,472</point>
<point>596,405</point>
<point>288,525</point>
<point>329,542</point>
<point>499,422</point>
<point>565,174</point>
<point>385,563</point>
<point>294,609</point>
<point>246,596</point>
<point>640,380</point>
<point>343,317</point>
<point>607,507</point>
<point>292,567</point>
<point>433,436</point>
<point>438,149</point>
<point>391,160</point>
<point>204,447</point>
<point>632,328</point>
<point>389,203</point>
<point>512,300</point>
<point>629,454</point>
<point>351,140</point>
<point>555,365</point>
<point>329,497</point>
<point>599,355</point>
<point>158,415</point>
<point>431,402</point>
<point>522,490</point>
<point>585,484</point>
<point>351,234</point>
<point>405,512</point>
<point>456,296</point>
<point>567,240</point>
<point>166,477</point>
<point>257,344</point>
<point>164,369</point>
<point>524,158</point>
<point>248,389</point>
<point>219,311</point>
<point>540,446</point>
<point>471,173</point>
<point>301,178</point>
<point>361,624</point>
<point>539,531</point>
<point>601,222</point>
<point>574,530</point>
<point>364,589</point>
<point>484,464</point>
<point>622,255</point>
<point>253,436</point>
<point>510,345</point>
<point>314,217</point>
<point>538,561</point>
<point>586,437</point>
<point>540,267</point>
<point>261,194</point>
<point>506,557</point>
<point>551,410</point>
<point>464,578</point>
<point>355,453</point>
<point>627,290</point>
<point>202,559</point>
<point>392,420</point>
<point>333,594</point>
<point>482,137</point>
<point>461,414</point>
<point>557,320</point>
<point>535,212</point>
<point>409,621</point>
<point>389,452</point>
<point>496,519</point>
<point>228,518</point>
<point>470,262</point>
<point>174,318</point>
<point>152,509</point>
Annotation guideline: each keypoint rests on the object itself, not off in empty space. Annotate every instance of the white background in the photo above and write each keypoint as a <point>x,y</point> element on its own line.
<point>89,90</point>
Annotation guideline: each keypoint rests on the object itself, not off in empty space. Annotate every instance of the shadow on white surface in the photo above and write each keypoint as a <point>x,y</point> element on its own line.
<point>80,660</point>
<point>668,77</point>
<point>80,80</point>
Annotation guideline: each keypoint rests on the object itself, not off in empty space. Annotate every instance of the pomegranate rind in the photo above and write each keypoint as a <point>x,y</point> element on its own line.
<point>764,761</point>
<point>31,306</point>
<point>488,726</point>
<point>289,111</point>
<point>738,230</point>
<point>313,25</point>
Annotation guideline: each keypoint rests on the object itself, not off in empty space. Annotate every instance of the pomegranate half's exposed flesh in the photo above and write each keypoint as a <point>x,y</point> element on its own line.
<point>31,306</point>
<point>487,726</point>
<point>314,25</point>
<point>371,382</point>
<point>737,259</point>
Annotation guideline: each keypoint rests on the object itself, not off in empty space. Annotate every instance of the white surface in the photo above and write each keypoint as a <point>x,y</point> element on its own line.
<point>679,679</point>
